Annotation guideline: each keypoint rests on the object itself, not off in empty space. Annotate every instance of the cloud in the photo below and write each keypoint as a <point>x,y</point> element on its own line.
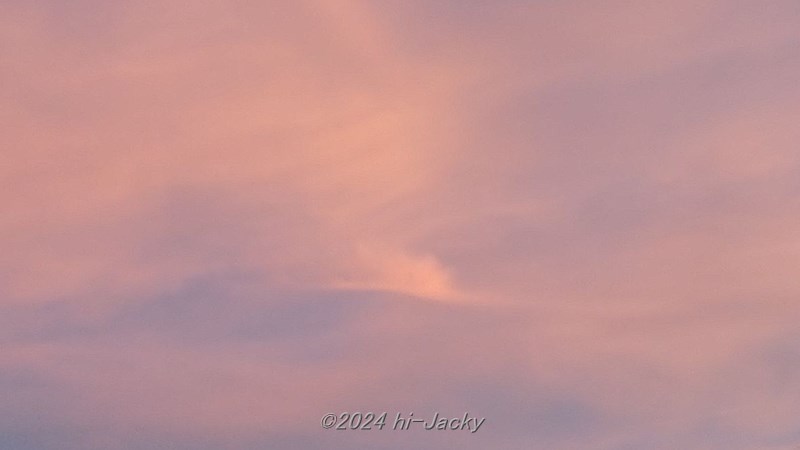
<point>393,271</point>
<point>224,220</point>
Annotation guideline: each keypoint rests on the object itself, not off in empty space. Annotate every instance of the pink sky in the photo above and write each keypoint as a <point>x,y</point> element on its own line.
<point>222,220</point>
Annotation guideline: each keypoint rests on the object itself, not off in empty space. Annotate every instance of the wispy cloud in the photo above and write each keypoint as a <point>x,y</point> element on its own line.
<point>223,220</point>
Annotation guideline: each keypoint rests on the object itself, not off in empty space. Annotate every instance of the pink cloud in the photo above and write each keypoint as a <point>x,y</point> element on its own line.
<point>221,221</point>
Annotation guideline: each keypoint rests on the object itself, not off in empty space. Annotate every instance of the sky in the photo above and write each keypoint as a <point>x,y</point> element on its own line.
<point>222,220</point>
